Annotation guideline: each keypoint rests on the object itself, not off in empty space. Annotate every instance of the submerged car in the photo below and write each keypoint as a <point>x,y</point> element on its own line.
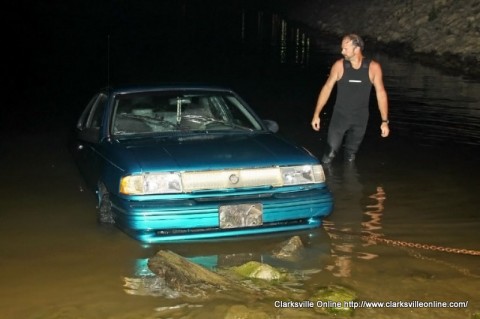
<point>172,163</point>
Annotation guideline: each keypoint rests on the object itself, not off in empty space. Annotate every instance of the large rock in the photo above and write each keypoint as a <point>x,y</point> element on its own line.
<point>180,273</point>
<point>289,250</point>
<point>257,270</point>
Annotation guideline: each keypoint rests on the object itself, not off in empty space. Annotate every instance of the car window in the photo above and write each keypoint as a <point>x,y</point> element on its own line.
<point>183,111</point>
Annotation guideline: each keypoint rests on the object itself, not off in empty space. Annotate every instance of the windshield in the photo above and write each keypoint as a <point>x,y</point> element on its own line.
<point>180,111</point>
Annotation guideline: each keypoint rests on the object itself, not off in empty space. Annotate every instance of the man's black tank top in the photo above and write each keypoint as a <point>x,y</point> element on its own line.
<point>353,90</point>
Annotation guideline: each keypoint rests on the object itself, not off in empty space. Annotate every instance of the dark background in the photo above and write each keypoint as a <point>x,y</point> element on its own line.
<point>60,52</point>
<point>57,54</point>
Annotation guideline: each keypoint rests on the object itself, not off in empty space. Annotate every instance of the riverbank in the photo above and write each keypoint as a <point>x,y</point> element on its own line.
<point>441,33</point>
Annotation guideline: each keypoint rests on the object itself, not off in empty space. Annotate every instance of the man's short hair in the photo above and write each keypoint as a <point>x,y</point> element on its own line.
<point>356,40</point>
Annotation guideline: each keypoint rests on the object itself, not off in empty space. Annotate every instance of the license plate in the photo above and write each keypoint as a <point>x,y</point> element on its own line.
<point>239,216</point>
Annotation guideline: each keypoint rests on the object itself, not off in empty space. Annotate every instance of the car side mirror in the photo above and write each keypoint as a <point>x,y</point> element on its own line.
<point>271,125</point>
<point>91,135</point>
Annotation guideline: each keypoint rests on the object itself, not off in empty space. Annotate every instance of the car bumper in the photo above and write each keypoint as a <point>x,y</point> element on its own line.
<point>169,220</point>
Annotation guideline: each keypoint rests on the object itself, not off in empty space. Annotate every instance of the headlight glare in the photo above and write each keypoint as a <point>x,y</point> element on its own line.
<point>306,174</point>
<point>318,173</point>
<point>159,183</point>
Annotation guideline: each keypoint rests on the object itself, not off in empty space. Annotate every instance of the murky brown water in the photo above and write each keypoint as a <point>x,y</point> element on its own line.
<point>407,199</point>
<point>58,263</point>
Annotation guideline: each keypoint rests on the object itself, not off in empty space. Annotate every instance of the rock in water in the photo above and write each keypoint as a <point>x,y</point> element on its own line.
<point>257,270</point>
<point>290,249</point>
<point>335,299</point>
<point>179,272</point>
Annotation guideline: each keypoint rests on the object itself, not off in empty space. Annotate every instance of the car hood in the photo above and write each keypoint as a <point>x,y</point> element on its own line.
<point>210,151</point>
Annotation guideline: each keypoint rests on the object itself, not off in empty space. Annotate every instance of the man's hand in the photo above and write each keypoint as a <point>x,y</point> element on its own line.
<point>384,128</point>
<point>316,123</point>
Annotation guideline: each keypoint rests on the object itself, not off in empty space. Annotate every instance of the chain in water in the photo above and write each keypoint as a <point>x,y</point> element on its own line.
<point>401,243</point>
<point>462,270</point>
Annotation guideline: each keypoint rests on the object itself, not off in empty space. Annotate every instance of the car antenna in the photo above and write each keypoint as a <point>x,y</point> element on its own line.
<point>108,61</point>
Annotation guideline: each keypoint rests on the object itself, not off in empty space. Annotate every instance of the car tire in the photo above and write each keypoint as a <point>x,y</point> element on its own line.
<point>104,207</point>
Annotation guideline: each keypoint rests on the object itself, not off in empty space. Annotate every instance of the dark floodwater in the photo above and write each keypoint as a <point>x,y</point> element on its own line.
<point>407,199</point>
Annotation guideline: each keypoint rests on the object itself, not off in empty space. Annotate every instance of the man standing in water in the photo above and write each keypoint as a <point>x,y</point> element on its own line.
<point>355,75</point>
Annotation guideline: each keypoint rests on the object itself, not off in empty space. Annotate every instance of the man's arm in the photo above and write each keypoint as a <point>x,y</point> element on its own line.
<point>382,98</point>
<point>335,75</point>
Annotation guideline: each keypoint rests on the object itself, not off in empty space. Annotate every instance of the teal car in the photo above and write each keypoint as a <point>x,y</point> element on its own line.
<point>184,162</point>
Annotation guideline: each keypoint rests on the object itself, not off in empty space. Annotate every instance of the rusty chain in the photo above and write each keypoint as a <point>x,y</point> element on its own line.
<point>401,243</point>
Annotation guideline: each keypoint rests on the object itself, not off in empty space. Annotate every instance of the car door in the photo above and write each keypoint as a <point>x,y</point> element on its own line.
<point>88,137</point>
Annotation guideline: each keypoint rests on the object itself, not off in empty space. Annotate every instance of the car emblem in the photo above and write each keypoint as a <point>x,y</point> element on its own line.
<point>234,178</point>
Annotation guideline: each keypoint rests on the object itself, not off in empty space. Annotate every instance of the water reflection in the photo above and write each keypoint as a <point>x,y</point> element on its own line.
<point>375,213</point>
<point>282,40</point>
<point>351,223</point>
<point>431,106</point>
<point>302,47</point>
<point>294,45</point>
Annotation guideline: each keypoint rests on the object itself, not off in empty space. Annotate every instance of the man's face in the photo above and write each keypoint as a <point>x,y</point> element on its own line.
<point>348,49</point>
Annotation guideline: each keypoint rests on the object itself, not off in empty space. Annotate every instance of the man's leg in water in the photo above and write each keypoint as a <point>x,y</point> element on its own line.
<point>336,131</point>
<point>353,139</point>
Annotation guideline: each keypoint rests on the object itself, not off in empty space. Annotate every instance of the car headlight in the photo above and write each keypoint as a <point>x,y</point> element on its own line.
<point>158,183</point>
<point>306,174</point>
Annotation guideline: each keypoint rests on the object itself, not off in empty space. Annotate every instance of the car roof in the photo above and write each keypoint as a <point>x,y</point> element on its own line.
<point>166,87</point>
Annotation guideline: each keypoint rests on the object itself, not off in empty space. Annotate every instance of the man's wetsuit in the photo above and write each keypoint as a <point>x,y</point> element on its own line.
<point>350,113</point>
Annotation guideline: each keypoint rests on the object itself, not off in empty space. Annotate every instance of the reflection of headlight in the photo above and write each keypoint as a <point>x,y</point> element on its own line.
<point>162,183</point>
<point>168,183</point>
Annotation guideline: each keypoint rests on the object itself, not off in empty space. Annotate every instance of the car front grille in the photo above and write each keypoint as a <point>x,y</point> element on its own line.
<point>168,232</point>
<point>235,178</point>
